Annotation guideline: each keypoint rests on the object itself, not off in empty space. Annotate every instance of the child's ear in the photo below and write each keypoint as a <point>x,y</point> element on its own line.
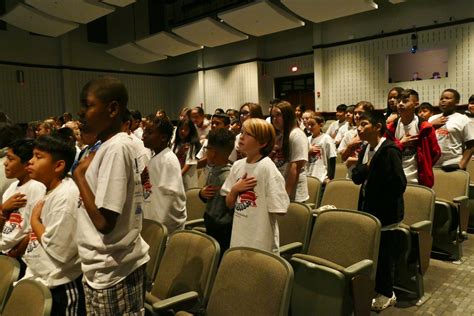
<point>114,109</point>
<point>378,127</point>
<point>59,167</point>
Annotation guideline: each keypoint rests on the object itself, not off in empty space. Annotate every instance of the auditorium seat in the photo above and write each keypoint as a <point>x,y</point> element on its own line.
<point>414,240</point>
<point>195,209</point>
<point>342,193</point>
<point>155,235</point>
<point>10,270</point>
<point>451,214</point>
<point>250,282</point>
<point>337,275</point>
<point>295,228</point>
<point>29,298</point>
<point>314,191</point>
<point>185,274</point>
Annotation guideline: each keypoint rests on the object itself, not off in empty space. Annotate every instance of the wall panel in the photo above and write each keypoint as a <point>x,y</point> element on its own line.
<point>357,71</point>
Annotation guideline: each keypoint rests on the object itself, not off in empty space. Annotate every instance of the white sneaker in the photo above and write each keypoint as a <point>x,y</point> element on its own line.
<point>381,302</point>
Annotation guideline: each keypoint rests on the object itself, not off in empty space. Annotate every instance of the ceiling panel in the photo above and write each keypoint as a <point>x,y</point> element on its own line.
<point>119,3</point>
<point>80,11</point>
<point>32,20</point>
<point>134,54</point>
<point>165,43</point>
<point>324,10</point>
<point>209,32</point>
<point>260,18</point>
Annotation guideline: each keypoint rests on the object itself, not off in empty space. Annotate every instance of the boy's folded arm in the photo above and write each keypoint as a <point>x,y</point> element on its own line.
<point>103,219</point>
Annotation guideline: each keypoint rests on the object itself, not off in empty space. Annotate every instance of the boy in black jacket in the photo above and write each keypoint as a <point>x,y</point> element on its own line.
<point>380,172</point>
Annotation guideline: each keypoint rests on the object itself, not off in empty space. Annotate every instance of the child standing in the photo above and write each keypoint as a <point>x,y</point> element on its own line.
<point>322,152</point>
<point>164,195</point>
<point>416,139</point>
<point>18,200</point>
<point>218,217</point>
<point>379,170</point>
<point>51,255</point>
<point>290,153</point>
<point>425,110</point>
<point>454,131</point>
<point>113,254</point>
<point>186,146</point>
<point>256,190</point>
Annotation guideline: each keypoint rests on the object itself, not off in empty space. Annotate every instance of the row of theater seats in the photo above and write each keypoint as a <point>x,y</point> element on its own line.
<point>333,254</point>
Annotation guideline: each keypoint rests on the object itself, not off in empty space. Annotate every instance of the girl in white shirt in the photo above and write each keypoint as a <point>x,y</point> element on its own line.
<point>186,146</point>
<point>290,152</point>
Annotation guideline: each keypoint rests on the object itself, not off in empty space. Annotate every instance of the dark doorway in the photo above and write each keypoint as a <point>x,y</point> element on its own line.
<point>296,90</point>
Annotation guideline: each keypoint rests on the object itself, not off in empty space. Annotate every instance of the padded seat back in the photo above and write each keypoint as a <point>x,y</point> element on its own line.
<point>448,185</point>
<point>419,204</point>
<point>345,237</point>
<point>314,190</point>
<point>342,193</point>
<point>10,270</point>
<point>195,207</point>
<point>155,235</point>
<point>30,298</point>
<point>251,282</point>
<point>295,225</point>
<point>189,263</point>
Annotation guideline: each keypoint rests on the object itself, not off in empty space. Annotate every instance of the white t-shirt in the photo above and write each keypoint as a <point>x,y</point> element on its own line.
<point>334,128</point>
<point>318,163</point>
<point>452,136</point>
<point>342,131</point>
<point>55,261</point>
<point>203,130</point>
<point>187,157</point>
<point>139,133</point>
<point>298,143</point>
<point>143,154</point>
<point>164,195</point>
<point>234,154</point>
<point>255,224</point>
<point>17,226</point>
<point>409,153</point>
<point>115,181</point>
<point>343,145</point>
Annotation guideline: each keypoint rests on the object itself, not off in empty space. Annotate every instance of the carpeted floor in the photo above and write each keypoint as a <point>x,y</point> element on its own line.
<point>449,286</point>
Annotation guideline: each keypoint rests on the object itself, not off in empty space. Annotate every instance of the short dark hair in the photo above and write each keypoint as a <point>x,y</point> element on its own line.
<point>23,148</point>
<point>223,117</point>
<point>106,89</point>
<point>67,134</point>
<point>426,105</point>
<point>341,108</point>
<point>58,148</point>
<point>366,105</point>
<point>471,99</point>
<point>9,133</point>
<point>375,117</point>
<point>457,96</point>
<point>407,93</point>
<point>223,139</point>
<point>164,127</point>
<point>136,115</point>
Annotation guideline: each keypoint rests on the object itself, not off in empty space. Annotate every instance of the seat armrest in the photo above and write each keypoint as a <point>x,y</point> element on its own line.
<point>178,302</point>
<point>460,199</point>
<point>311,205</point>
<point>361,267</point>
<point>194,222</point>
<point>150,299</point>
<point>422,225</point>
<point>291,248</point>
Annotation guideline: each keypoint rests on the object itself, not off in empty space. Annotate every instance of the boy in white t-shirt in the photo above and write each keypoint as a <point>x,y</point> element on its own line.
<point>113,254</point>
<point>322,152</point>
<point>163,190</point>
<point>51,255</point>
<point>454,131</point>
<point>256,190</point>
<point>18,201</point>
<point>341,121</point>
